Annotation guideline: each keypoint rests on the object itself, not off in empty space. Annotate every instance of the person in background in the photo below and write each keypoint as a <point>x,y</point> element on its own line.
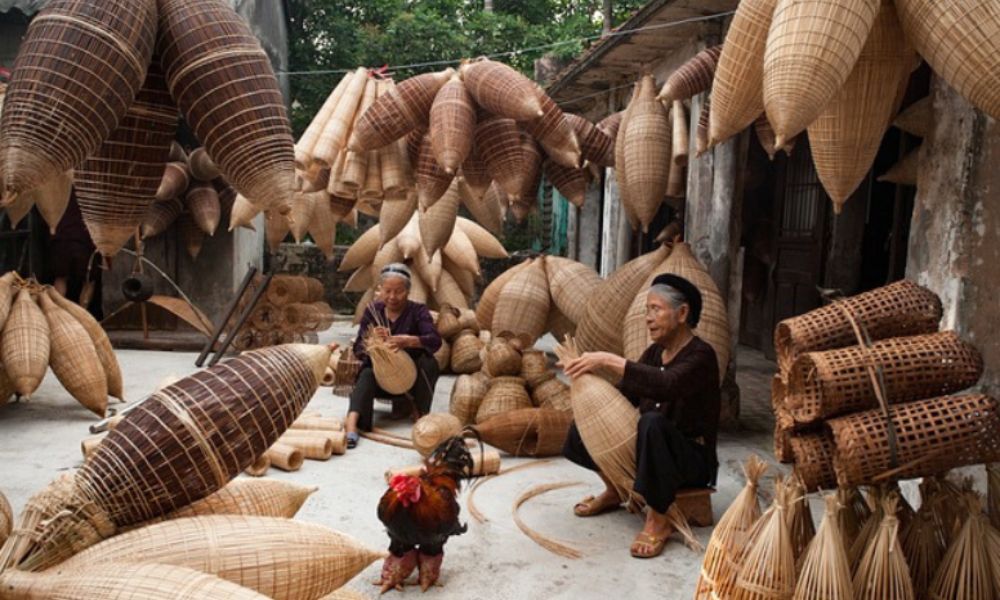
<point>72,253</point>
<point>411,328</point>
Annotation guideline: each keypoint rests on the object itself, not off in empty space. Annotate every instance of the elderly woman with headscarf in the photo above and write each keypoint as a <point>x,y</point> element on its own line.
<point>675,386</point>
<point>411,329</point>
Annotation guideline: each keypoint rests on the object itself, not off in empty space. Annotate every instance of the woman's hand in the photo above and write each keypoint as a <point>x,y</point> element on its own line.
<point>397,342</point>
<point>382,333</point>
<point>589,362</point>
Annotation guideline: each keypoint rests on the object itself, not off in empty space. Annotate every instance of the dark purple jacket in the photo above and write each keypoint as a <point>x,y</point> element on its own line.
<point>414,320</point>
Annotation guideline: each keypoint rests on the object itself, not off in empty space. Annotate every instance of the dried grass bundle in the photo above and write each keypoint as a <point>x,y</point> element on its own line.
<point>854,513</point>
<point>869,527</point>
<point>968,568</point>
<point>993,493</point>
<point>767,569</point>
<point>924,549</point>
<point>721,566</point>
<point>800,522</point>
<point>825,572</point>
<point>882,573</point>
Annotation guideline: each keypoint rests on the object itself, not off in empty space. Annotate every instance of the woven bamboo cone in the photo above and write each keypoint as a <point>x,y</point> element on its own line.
<point>570,283</point>
<point>249,498</point>
<point>176,178</point>
<point>536,432</point>
<point>531,178</point>
<point>362,251</point>
<point>300,215</point>
<point>102,344</point>
<point>461,251</point>
<point>466,396</point>
<point>523,305</point>
<point>904,171</point>
<point>203,168</point>
<point>646,151</point>
<point>969,568</point>
<point>486,307</point>
<point>737,90</point>
<point>395,168</point>
<point>123,582</point>
<point>51,199</point>
<point>882,572</point>
<point>128,481</point>
<point>243,213</point>
<point>916,119</point>
<point>437,222</point>
<point>811,49</point>
<point>56,114</point>
<point>596,146</point>
<point>304,147</point>
<point>607,422</point>
<point>449,292</point>
<point>959,41</point>
<point>431,180</point>
<point>323,225</point>
<point>693,77</point>
<point>203,44</point>
<point>720,566</point>
<point>571,183</point>
<point>403,108</point>
<point>19,208</point>
<point>765,135</point>
<point>372,189</point>
<point>498,141</point>
<point>203,203</point>
<point>474,173</point>
<point>74,359</point>
<point>160,216</point>
<point>452,118</point>
<point>555,133</point>
<point>484,243</point>
<point>395,214</point>
<point>767,568</point>
<point>285,457</point>
<point>846,135</point>
<point>7,294</point>
<point>501,90</point>
<point>25,344</point>
<point>336,129</point>
<point>825,572</point>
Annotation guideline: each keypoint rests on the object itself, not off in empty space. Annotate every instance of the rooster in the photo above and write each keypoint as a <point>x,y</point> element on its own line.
<point>420,513</point>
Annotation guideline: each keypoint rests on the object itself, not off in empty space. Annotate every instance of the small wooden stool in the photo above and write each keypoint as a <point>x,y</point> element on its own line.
<point>696,504</point>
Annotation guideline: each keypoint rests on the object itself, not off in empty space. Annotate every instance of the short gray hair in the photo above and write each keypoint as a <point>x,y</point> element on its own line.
<point>396,270</point>
<point>669,294</point>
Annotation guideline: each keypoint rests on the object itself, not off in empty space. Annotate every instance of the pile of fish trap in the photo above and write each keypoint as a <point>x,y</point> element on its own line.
<point>863,392</point>
<point>454,324</point>
<point>134,518</point>
<point>867,546</point>
<point>42,329</point>
<point>837,70</point>
<point>97,89</point>
<point>292,309</point>
<point>193,198</point>
<point>442,251</point>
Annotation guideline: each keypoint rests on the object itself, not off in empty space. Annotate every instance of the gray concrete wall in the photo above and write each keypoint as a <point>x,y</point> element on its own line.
<point>954,244</point>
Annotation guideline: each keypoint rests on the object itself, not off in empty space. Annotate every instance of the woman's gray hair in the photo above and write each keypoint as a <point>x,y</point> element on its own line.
<point>396,270</point>
<point>669,294</point>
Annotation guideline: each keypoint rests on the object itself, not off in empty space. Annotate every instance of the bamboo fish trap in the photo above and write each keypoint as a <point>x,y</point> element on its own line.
<point>970,567</point>
<point>251,498</point>
<point>813,457</point>
<point>395,371</point>
<point>498,141</point>
<point>432,429</point>
<point>607,422</point>
<point>647,147</point>
<point>486,307</point>
<point>403,108</point>
<point>452,117</point>
<point>767,568</point>
<point>505,394</point>
<point>74,359</point>
<point>882,573</point>
<point>190,427</point>
<point>57,114</point>
<point>466,396</point>
<point>571,283</point>
<point>25,344</point>
<point>825,571</point>
<point>279,558</point>
<point>693,77</point>
<point>523,307</point>
<point>533,432</point>
<point>501,90</point>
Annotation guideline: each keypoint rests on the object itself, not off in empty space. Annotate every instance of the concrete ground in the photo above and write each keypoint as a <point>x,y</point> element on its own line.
<point>41,438</point>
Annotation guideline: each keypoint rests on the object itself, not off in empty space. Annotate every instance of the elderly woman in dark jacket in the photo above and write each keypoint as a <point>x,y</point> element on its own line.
<point>411,328</point>
<point>675,385</point>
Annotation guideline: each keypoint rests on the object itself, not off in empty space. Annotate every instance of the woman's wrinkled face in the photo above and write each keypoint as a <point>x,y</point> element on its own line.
<point>662,319</point>
<point>394,293</point>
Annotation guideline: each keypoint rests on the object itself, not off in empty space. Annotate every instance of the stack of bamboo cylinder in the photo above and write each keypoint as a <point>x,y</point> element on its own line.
<point>863,392</point>
<point>193,199</point>
<point>41,329</point>
<point>292,309</point>
<point>310,437</point>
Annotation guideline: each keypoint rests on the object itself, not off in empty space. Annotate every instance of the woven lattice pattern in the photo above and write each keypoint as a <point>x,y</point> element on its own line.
<point>523,305</point>
<point>933,436</point>
<point>552,393</point>
<point>813,454</point>
<point>25,344</point>
<point>404,107</point>
<point>571,182</point>
<point>56,114</point>
<point>498,141</point>
<point>554,132</point>
<point>505,394</point>
<point>693,77</point>
<point>501,90</point>
<point>898,309</point>
<point>835,382</point>
<point>452,119</point>
<point>437,222</point>
<point>647,150</point>
<point>432,180</point>
<point>466,396</point>
<point>527,432</point>
<point>252,498</point>
<point>74,359</point>
<point>596,145</point>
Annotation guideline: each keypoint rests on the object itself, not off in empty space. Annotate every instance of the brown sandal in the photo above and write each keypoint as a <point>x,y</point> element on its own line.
<point>589,508</point>
<point>656,543</point>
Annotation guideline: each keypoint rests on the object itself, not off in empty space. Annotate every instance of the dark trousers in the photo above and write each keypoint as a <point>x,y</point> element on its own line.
<point>666,461</point>
<point>366,389</point>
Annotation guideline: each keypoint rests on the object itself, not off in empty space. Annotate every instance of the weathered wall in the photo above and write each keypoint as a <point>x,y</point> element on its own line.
<point>954,246</point>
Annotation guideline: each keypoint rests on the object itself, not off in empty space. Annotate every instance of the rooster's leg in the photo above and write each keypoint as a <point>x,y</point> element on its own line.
<point>430,559</point>
<point>397,566</point>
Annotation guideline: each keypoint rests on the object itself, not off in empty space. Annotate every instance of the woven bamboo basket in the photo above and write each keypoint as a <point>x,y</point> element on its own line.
<point>487,209</point>
<point>610,126</point>
<point>721,565</point>
<point>160,216</point>
<point>555,133</point>
<point>465,352</point>
<point>813,453</point>
<point>487,304</point>
<point>333,137</point>
<point>432,181</point>
<point>449,292</point>
<point>898,309</point>
<point>181,444</point>
<point>307,143</point>
<point>932,436</point>
<point>596,146</point>
<point>56,114</point>
<point>192,238</point>
<point>693,77</point>
<point>7,294</point>
<point>958,40</point>
<point>279,558</point>
<point>475,175</point>
<point>116,185</point>
<point>923,548</point>
<point>447,322</point>
<point>607,422</point>
<point>570,284</point>
<point>882,572</point>
<point>25,344</point>
<point>833,382</point>
<point>846,135</point>
<point>502,358</point>
<point>825,572</point>
<point>105,353</point>
<point>362,251</point>
<point>533,432</point>
<point>501,90</point>
<point>6,518</point>
<point>354,174</point>
<point>505,394</point>
<point>202,166</point>
<point>433,429</point>
<point>394,370</point>
<point>212,59</point>
<point>396,172</point>
<point>466,397</point>
<point>607,305</point>
<point>904,171</point>
<point>203,203</point>
<point>498,141</point>
<point>467,319</point>
<point>485,243</point>
<point>299,215</point>
<point>767,563</point>
<point>251,498</point>
<point>437,222</point>
<point>74,359</point>
<point>552,394</point>
<point>571,182</point>
<point>452,118</point>
<point>523,306</point>
<point>646,150</point>
<point>811,49</point>
<point>286,289</point>
<point>535,367</point>
<point>916,119</point>
<point>346,372</point>
<point>404,107</point>
<point>323,224</point>
<point>395,214</point>
<point>443,356</point>
<point>125,582</point>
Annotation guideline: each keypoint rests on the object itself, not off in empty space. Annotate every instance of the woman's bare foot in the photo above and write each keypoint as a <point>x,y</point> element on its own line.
<point>592,506</point>
<point>653,538</point>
